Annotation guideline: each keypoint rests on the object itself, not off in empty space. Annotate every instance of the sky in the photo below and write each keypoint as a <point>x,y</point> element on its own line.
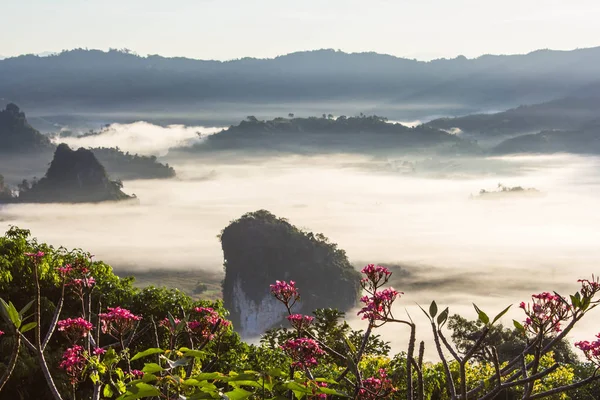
<point>230,29</point>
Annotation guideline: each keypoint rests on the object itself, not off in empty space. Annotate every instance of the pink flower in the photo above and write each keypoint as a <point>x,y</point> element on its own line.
<point>589,288</point>
<point>118,321</point>
<point>99,351</point>
<point>136,373</point>
<point>285,292</point>
<point>36,255</point>
<point>75,328</point>
<point>375,273</point>
<point>66,270</point>
<point>73,362</point>
<point>79,283</point>
<point>303,351</point>
<point>378,307</point>
<point>591,350</point>
<point>1,333</point>
<point>300,322</point>
<point>545,313</point>
<point>166,323</point>
<point>207,324</point>
<point>377,387</point>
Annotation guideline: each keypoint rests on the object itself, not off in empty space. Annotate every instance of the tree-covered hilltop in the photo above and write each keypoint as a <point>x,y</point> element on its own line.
<point>584,140</point>
<point>361,133</point>
<point>564,113</point>
<point>73,177</point>
<point>125,166</point>
<point>260,248</point>
<point>17,135</point>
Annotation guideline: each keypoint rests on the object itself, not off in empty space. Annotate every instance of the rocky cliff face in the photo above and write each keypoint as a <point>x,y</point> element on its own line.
<point>259,249</point>
<point>73,177</point>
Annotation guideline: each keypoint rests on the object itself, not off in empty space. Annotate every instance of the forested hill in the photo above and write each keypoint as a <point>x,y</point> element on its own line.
<point>326,133</point>
<point>84,79</point>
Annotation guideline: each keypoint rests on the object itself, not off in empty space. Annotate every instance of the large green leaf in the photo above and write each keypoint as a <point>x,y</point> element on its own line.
<point>238,394</point>
<point>148,352</point>
<point>151,368</point>
<point>28,327</point>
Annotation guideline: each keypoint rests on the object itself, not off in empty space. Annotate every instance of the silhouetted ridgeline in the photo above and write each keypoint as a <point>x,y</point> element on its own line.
<point>259,249</point>
<point>73,177</point>
<point>118,79</point>
<point>16,135</point>
<point>585,140</point>
<point>314,134</point>
<point>564,113</point>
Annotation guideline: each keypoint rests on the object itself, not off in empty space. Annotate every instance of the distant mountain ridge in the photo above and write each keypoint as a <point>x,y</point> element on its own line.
<point>90,79</point>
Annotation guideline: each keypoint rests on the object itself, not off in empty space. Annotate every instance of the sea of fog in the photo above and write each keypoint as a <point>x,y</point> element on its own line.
<point>456,250</point>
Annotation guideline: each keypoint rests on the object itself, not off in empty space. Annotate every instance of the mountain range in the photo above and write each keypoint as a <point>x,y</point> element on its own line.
<point>80,81</point>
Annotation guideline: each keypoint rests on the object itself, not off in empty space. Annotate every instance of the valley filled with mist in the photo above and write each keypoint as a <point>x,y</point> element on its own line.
<point>421,215</point>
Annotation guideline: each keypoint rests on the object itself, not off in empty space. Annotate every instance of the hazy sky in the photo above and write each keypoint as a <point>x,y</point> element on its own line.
<point>226,29</point>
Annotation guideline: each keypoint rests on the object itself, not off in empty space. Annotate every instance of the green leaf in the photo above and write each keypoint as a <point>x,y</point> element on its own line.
<point>152,368</point>
<point>107,391</point>
<point>238,394</point>
<point>350,345</point>
<point>575,302</point>
<point>441,319</point>
<point>193,353</point>
<point>484,318</point>
<point>207,376</point>
<point>139,391</point>
<point>13,314</point>
<point>147,353</point>
<point>433,309</point>
<point>518,325</point>
<point>26,308</point>
<point>28,327</point>
<point>497,317</point>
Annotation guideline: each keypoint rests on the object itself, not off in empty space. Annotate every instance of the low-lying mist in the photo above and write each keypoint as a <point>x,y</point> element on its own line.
<point>452,248</point>
<point>142,137</point>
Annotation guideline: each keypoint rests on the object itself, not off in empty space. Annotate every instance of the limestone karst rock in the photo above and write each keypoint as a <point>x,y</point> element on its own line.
<point>259,249</point>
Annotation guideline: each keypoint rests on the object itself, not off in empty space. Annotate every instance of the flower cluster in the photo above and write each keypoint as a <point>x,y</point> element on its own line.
<point>546,313</point>
<point>166,323</point>
<point>207,324</point>
<point>590,349</point>
<point>136,373</point>
<point>36,255</point>
<point>316,386</point>
<point>75,328</point>
<point>66,270</point>
<point>285,292</point>
<point>589,288</point>
<point>118,321</point>
<point>73,362</point>
<point>374,274</point>
<point>303,351</point>
<point>378,306</point>
<point>300,322</point>
<point>377,387</point>
<point>99,351</point>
